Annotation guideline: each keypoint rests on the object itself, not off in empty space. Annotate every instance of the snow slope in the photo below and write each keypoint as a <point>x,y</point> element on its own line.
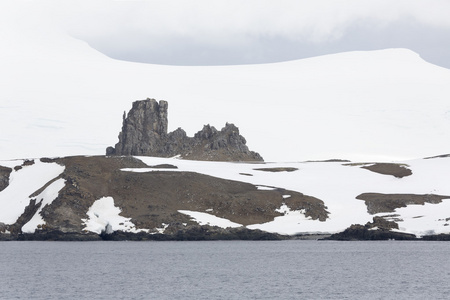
<point>22,184</point>
<point>205,218</point>
<point>47,196</point>
<point>60,97</point>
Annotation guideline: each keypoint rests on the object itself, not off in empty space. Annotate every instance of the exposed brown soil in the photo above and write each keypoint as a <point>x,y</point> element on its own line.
<point>163,166</point>
<point>153,198</point>
<point>381,222</point>
<point>396,170</point>
<point>377,203</point>
<point>279,169</point>
<point>330,160</point>
<point>27,162</point>
<point>438,156</point>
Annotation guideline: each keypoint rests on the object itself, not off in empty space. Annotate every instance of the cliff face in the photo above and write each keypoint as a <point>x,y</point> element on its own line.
<point>144,132</point>
<point>143,129</point>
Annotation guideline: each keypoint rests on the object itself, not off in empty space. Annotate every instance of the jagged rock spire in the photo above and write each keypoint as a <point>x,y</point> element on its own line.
<point>144,132</point>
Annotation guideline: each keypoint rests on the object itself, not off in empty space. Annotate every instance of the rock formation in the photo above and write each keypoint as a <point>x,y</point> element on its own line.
<point>152,200</point>
<point>4,177</point>
<point>144,132</point>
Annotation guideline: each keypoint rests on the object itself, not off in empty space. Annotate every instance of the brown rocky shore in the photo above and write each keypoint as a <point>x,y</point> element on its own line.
<point>190,233</point>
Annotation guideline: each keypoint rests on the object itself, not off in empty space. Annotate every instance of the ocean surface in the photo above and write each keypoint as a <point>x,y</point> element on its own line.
<point>225,270</point>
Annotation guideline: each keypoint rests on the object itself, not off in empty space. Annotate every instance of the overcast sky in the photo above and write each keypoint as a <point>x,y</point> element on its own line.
<point>216,32</point>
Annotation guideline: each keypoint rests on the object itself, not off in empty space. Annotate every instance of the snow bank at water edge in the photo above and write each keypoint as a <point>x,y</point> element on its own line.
<point>103,216</point>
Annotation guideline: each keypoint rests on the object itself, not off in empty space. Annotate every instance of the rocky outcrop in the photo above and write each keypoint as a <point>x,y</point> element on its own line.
<point>144,132</point>
<point>153,200</point>
<point>4,177</point>
<point>381,203</point>
<point>364,233</point>
<point>188,233</point>
<point>396,170</point>
<point>144,129</point>
<point>379,229</point>
<point>198,233</point>
<point>91,178</point>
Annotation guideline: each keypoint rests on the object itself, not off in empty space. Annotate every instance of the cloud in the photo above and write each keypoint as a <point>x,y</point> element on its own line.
<point>317,20</point>
<point>252,31</point>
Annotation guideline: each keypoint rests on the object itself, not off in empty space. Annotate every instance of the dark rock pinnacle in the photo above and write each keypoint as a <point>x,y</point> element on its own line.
<point>144,132</point>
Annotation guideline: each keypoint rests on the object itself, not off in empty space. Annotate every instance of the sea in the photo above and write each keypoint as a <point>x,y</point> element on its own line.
<point>295,269</point>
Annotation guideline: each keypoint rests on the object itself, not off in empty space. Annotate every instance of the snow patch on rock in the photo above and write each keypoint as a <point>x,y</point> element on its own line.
<point>103,216</point>
<point>46,196</point>
<point>23,183</point>
<point>208,219</point>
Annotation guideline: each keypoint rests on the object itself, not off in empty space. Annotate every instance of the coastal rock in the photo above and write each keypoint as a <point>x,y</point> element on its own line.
<point>363,233</point>
<point>379,229</point>
<point>153,200</point>
<point>187,233</point>
<point>144,132</point>
<point>198,233</point>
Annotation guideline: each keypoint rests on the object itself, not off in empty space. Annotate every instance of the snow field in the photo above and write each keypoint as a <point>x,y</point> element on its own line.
<point>23,183</point>
<point>335,183</point>
<point>208,219</point>
<point>375,105</point>
<point>47,196</point>
<point>423,219</point>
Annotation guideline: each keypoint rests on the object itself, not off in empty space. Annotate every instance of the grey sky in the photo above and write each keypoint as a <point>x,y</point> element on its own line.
<point>204,32</point>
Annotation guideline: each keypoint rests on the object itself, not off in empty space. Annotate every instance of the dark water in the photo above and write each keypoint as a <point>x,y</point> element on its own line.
<point>225,270</point>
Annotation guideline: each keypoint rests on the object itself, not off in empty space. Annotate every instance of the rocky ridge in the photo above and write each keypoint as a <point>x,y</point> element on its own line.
<point>154,197</point>
<point>144,132</point>
<point>152,200</point>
